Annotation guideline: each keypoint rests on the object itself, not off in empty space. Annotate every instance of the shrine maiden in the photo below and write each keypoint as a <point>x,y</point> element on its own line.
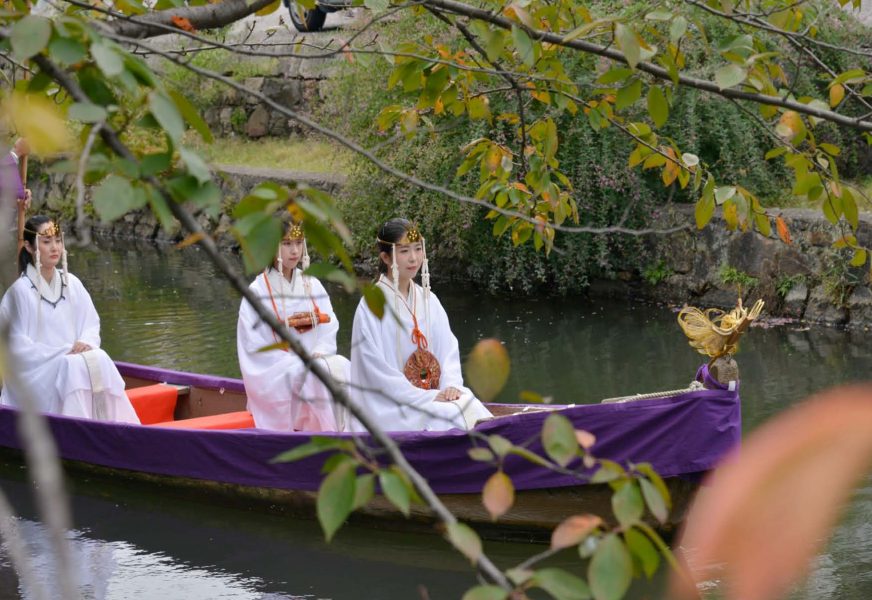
<point>282,393</point>
<point>54,336</point>
<point>405,367</point>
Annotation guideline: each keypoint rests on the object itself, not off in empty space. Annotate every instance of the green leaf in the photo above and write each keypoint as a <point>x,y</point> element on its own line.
<point>642,548</point>
<point>375,299</point>
<point>561,584</point>
<point>336,497</point>
<point>466,540</point>
<point>658,108</point>
<point>29,36</point>
<point>558,439</point>
<point>764,226</point>
<point>481,454</point>
<point>524,46</point>
<point>627,504</point>
<point>191,115</point>
<point>500,445</point>
<point>849,207</point>
<point>258,235</point>
<point>196,166</point>
<point>614,75</point>
<point>859,258</point>
<point>775,152</point>
<point>479,108</point>
<point>164,111</point>
<point>115,197</point>
<point>830,149</point>
<point>730,75</point>
<point>677,29</point>
<point>804,184</point>
<point>486,592</point>
<point>628,94</point>
<point>657,503</point>
<point>611,569</point>
<point>394,488</point>
<point>629,45</point>
<point>86,112</point>
<point>495,44</point>
<point>109,61</point>
<point>162,211</point>
<point>724,193</point>
<point>364,490</point>
<point>316,445</point>
<point>66,51</point>
<point>152,164</point>
<point>849,77</point>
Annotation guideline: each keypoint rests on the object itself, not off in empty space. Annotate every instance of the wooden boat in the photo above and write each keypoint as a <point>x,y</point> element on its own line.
<point>197,437</point>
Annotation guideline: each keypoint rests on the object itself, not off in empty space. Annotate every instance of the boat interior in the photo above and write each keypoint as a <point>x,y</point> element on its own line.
<point>190,407</point>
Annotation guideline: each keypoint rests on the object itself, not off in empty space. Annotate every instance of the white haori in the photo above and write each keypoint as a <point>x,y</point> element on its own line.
<point>379,351</point>
<point>282,393</point>
<point>45,319</point>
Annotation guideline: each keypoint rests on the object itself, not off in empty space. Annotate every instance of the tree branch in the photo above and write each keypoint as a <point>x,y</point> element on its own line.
<point>484,564</point>
<point>208,16</point>
<point>460,8</point>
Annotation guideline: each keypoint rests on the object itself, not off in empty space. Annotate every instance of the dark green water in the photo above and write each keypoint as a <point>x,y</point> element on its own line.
<point>169,308</point>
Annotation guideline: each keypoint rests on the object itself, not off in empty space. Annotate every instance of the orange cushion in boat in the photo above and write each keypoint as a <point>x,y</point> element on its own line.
<point>153,403</point>
<point>234,420</point>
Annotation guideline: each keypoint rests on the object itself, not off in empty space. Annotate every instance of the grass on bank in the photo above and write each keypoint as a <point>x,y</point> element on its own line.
<point>294,154</point>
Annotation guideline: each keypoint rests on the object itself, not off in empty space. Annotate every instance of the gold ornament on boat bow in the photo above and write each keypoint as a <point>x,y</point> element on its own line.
<point>714,332</point>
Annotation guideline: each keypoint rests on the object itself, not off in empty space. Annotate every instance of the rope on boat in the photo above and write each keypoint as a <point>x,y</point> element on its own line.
<point>693,387</point>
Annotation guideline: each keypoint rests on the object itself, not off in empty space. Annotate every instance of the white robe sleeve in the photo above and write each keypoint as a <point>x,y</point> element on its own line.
<point>326,342</point>
<point>88,321</point>
<point>446,348</point>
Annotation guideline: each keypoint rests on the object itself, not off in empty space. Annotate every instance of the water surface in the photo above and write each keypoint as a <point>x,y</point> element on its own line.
<point>170,308</point>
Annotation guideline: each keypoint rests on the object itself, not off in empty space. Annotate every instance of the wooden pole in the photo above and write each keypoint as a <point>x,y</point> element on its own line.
<point>22,172</point>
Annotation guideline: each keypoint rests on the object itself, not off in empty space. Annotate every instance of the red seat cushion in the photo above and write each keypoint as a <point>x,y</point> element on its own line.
<point>153,403</point>
<point>234,420</point>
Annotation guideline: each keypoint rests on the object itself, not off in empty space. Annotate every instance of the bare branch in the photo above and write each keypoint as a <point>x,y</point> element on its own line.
<point>208,16</point>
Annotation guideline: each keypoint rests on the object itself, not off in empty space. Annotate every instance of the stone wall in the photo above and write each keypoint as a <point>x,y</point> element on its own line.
<point>807,279</point>
<point>295,85</point>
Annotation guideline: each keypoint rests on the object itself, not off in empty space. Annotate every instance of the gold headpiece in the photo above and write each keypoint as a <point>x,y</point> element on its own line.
<point>412,234</point>
<point>51,231</point>
<point>295,232</point>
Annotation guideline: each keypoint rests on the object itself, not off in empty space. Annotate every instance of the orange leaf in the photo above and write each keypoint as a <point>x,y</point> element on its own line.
<point>783,232</point>
<point>585,439</point>
<point>769,508</point>
<point>182,23</point>
<point>191,240</point>
<point>574,530</point>
<point>498,495</point>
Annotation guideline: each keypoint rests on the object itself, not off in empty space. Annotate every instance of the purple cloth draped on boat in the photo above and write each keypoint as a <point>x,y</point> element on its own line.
<point>679,435</point>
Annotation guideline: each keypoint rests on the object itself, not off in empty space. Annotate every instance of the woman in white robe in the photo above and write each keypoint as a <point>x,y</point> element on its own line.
<point>283,394</point>
<point>392,376</point>
<point>54,336</point>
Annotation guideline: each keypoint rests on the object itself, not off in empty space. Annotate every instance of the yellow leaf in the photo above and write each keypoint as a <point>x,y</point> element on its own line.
<point>269,8</point>
<point>837,93</point>
<point>40,120</point>
<point>487,368</point>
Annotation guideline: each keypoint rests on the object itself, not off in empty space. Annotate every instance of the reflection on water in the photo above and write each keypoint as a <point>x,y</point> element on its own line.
<point>169,308</point>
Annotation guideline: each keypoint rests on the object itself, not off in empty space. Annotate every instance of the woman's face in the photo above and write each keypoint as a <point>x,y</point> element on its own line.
<point>409,259</point>
<point>50,246</point>
<point>291,252</point>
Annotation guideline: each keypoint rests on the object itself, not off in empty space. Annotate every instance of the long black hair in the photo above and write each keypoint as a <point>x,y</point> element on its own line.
<point>389,234</point>
<point>30,228</point>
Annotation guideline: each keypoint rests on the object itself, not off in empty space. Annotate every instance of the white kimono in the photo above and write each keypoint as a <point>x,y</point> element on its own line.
<point>44,323</point>
<point>282,393</point>
<point>379,351</point>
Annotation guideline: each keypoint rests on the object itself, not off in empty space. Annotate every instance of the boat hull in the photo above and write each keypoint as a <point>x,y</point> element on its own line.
<point>682,436</point>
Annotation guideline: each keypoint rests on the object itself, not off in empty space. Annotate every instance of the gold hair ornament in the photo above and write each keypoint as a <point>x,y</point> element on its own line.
<point>295,232</point>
